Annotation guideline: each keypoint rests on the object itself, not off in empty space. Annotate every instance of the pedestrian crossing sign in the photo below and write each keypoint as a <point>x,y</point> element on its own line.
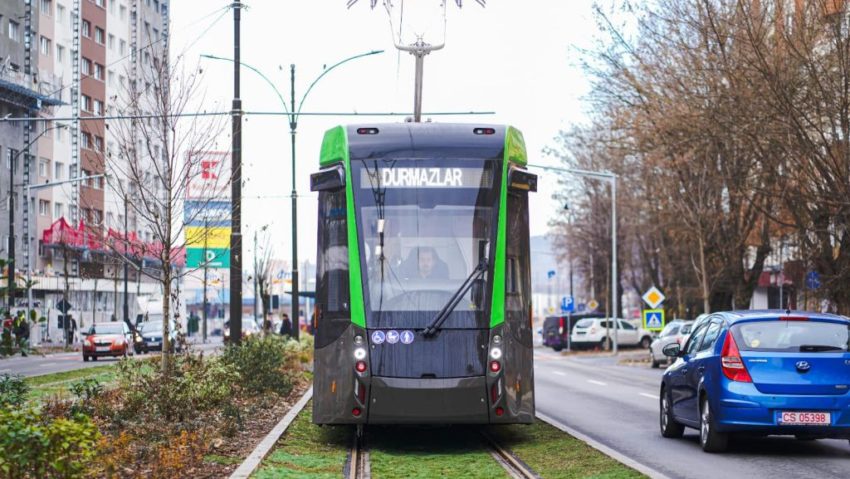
<point>653,319</point>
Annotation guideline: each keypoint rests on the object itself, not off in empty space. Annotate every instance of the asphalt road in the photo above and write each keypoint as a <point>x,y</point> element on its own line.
<point>61,362</point>
<point>617,405</point>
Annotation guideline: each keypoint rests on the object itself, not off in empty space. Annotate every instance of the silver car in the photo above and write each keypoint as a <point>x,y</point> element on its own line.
<point>676,331</point>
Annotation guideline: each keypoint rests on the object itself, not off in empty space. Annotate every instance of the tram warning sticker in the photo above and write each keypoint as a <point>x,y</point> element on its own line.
<point>407,337</point>
<point>392,336</point>
<point>378,337</point>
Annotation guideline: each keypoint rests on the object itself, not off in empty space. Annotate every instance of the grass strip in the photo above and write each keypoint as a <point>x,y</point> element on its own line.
<point>554,454</point>
<point>307,451</point>
<point>47,384</point>
<point>428,452</point>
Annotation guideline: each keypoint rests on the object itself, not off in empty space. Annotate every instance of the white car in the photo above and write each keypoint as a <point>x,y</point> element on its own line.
<point>676,331</point>
<point>590,332</point>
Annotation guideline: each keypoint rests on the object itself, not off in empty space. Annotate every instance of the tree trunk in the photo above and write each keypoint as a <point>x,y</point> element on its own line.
<point>166,317</point>
<point>703,276</point>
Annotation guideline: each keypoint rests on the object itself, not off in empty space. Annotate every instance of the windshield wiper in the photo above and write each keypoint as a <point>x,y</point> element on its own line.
<point>455,299</point>
<point>817,348</point>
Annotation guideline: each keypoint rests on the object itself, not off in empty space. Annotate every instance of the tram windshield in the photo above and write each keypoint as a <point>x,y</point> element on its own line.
<point>424,227</point>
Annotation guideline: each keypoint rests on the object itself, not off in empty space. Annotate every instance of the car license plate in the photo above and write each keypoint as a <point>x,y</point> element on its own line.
<point>103,349</point>
<point>803,418</point>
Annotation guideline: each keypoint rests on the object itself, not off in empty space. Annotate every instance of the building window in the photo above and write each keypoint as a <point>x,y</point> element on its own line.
<point>44,43</point>
<point>60,13</point>
<point>99,35</point>
<point>100,3</point>
<point>11,155</point>
<point>60,133</point>
<point>98,107</point>
<point>110,77</point>
<point>98,71</point>
<point>60,53</point>
<point>86,29</point>
<point>111,43</point>
<point>122,12</point>
<point>14,29</point>
<point>43,207</point>
<point>85,66</point>
<point>112,7</point>
<point>43,167</point>
<point>46,7</point>
<point>98,143</point>
<point>85,141</point>
<point>122,46</point>
<point>58,210</point>
<point>86,103</point>
<point>58,168</point>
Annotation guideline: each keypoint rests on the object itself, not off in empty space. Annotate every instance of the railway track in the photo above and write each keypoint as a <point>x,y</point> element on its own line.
<point>514,467</point>
<point>358,457</point>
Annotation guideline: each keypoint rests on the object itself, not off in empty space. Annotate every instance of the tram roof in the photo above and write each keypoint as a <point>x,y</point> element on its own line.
<point>415,139</point>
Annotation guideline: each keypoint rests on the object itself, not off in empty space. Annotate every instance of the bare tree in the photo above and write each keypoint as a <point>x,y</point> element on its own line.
<point>160,162</point>
<point>262,272</point>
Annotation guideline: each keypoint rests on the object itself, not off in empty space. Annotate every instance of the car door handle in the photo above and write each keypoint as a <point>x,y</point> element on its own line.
<point>701,369</point>
<point>684,370</point>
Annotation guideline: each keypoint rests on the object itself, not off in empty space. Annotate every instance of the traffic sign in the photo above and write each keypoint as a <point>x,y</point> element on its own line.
<point>592,305</point>
<point>581,307</point>
<point>551,273</point>
<point>653,319</point>
<point>568,304</point>
<point>653,297</point>
<point>813,280</point>
<point>64,306</point>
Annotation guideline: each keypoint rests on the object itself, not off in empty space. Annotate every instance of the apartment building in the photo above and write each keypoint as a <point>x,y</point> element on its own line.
<point>83,55</point>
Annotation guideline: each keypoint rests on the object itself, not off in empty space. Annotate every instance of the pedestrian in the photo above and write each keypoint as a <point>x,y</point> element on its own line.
<point>72,331</point>
<point>285,326</point>
<point>22,333</point>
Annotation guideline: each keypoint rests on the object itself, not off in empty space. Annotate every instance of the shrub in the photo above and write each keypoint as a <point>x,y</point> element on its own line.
<point>33,445</point>
<point>85,392</point>
<point>264,364</point>
<point>13,390</point>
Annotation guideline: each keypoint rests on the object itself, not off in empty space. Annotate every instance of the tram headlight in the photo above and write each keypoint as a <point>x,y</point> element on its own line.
<point>497,339</point>
<point>358,340</point>
<point>496,353</point>
<point>359,354</point>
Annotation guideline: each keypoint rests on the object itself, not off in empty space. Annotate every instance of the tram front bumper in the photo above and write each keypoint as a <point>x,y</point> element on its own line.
<point>428,401</point>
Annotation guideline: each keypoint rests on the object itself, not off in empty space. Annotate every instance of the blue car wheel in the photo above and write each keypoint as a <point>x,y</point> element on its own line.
<point>669,427</point>
<point>710,438</point>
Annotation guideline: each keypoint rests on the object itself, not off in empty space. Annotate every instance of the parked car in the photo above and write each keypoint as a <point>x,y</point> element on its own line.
<point>249,328</point>
<point>676,331</point>
<point>759,372</point>
<point>113,339</point>
<point>590,332</point>
<point>556,328</point>
<point>152,336</point>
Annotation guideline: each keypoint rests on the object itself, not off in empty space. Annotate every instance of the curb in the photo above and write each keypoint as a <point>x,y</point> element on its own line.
<point>259,453</point>
<point>617,456</point>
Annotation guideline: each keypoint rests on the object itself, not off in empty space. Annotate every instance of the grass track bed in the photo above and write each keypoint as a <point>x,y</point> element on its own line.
<point>55,383</point>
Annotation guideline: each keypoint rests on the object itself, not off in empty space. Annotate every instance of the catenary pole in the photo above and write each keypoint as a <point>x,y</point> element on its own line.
<point>236,191</point>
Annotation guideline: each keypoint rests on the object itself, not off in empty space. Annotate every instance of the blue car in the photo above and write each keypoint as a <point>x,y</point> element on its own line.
<point>761,373</point>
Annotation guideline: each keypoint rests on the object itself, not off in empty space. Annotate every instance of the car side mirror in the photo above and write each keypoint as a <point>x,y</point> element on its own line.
<point>85,334</point>
<point>672,350</point>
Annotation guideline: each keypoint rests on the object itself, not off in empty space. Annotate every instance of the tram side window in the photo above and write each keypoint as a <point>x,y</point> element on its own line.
<point>518,277</point>
<point>333,295</point>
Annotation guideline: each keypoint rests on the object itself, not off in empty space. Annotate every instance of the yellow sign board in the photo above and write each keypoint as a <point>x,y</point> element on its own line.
<point>214,237</point>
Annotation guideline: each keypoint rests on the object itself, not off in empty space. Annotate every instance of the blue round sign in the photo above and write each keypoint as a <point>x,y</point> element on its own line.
<point>407,337</point>
<point>392,336</point>
<point>378,337</point>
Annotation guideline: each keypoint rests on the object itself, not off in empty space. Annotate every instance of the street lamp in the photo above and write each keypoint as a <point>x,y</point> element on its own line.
<point>612,178</point>
<point>14,160</point>
<point>293,114</point>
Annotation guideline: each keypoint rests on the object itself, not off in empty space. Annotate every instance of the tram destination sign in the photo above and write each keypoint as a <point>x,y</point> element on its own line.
<point>425,177</point>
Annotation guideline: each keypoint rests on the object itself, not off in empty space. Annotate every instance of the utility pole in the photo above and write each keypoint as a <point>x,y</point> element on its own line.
<point>255,276</point>
<point>236,191</point>
<point>206,269</point>
<point>293,124</point>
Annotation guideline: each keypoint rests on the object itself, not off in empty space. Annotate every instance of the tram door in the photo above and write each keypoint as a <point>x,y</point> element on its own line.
<point>518,329</point>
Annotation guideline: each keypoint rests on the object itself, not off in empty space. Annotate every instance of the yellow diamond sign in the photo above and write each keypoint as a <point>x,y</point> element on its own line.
<point>653,297</point>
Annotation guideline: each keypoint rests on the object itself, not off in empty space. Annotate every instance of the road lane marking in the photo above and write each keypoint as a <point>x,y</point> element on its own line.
<point>650,396</point>
<point>598,383</point>
<point>559,373</point>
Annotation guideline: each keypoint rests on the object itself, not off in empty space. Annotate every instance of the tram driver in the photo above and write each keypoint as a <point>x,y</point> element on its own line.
<point>424,263</point>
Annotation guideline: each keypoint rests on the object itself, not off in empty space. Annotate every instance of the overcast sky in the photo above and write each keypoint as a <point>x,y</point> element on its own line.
<point>510,58</point>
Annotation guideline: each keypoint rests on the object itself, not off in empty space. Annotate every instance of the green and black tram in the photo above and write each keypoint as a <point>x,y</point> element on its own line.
<point>423,290</point>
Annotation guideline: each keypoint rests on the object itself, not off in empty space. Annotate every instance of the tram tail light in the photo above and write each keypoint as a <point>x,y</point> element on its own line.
<point>484,131</point>
<point>356,412</point>
<point>360,366</point>
<point>500,411</point>
<point>495,366</point>
<point>367,131</point>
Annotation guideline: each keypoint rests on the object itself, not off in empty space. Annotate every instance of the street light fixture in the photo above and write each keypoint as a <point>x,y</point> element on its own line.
<point>293,114</point>
<point>612,178</point>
